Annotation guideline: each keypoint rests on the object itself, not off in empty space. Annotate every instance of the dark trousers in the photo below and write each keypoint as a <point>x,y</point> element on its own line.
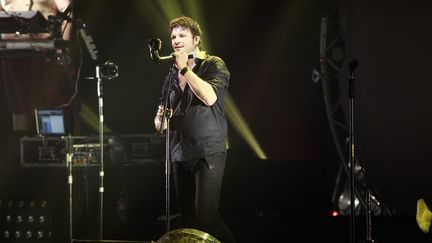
<point>198,188</point>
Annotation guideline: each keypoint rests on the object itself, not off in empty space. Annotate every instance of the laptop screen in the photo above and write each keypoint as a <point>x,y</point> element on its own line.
<point>50,122</point>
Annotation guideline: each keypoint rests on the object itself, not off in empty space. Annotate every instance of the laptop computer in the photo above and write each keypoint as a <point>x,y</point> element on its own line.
<point>50,122</point>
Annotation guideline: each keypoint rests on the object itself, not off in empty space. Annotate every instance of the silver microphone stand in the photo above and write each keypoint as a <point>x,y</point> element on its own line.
<point>108,70</point>
<point>69,165</point>
<point>101,165</point>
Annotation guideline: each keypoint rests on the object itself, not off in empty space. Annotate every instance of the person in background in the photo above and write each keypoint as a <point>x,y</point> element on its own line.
<point>32,77</point>
<point>46,8</point>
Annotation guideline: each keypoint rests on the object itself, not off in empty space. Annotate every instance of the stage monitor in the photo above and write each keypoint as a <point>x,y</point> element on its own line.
<point>50,122</point>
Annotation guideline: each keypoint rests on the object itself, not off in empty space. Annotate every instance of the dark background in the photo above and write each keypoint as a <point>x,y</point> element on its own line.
<point>270,49</point>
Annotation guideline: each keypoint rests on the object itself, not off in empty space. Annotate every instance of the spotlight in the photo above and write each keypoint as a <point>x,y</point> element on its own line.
<point>344,203</point>
<point>32,203</point>
<point>358,170</point>
<point>28,234</point>
<point>30,219</point>
<point>41,219</point>
<point>19,219</point>
<point>25,220</point>
<point>44,203</point>
<point>6,234</point>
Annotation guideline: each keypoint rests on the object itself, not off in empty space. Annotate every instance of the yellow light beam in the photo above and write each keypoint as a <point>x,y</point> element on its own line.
<point>237,120</point>
<point>151,13</point>
<point>170,8</point>
<point>91,119</point>
<point>194,9</point>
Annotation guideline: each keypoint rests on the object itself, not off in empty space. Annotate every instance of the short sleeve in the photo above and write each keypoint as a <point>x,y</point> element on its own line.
<point>214,71</point>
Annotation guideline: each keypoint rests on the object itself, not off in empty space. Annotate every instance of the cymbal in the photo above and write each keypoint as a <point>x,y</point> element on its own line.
<point>187,235</point>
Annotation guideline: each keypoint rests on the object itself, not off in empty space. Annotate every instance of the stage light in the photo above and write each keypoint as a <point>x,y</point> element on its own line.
<point>344,203</point>
<point>25,220</point>
<point>41,219</point>
<point>6,234</point>
<point>334,213</point>
<point>19,219</point>
<point>30,219</point>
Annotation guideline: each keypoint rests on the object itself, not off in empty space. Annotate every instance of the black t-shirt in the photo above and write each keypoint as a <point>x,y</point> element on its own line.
<point>197,130</point>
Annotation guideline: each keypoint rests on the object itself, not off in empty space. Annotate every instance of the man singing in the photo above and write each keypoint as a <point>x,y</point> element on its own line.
<point>195,92</point>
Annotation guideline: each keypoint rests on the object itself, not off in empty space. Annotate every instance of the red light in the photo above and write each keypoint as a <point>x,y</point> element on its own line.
<point>334,213</point>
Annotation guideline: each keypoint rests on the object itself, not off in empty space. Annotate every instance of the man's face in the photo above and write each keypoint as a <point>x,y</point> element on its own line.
<point>182,39</point>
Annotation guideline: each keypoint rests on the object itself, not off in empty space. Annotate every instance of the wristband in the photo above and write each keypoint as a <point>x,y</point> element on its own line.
<point>184,70</point>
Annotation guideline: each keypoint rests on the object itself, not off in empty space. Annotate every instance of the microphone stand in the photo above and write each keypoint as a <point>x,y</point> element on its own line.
<point>69,155</point>
<point>154,47</point>
<point>167,113</point>
<point>351,91</point>
<point>101,171</point>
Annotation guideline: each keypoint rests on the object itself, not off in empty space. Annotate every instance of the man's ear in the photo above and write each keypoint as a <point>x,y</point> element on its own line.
<point>197,40</point>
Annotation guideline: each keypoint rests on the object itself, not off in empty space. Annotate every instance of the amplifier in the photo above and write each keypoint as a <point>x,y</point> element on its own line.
<point>42,152</point>
<point>51,151</point>
<point>141,148</point>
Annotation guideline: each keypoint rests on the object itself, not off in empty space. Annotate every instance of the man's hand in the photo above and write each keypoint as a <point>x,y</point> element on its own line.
<point>181,59</point>
<point>159,118</point>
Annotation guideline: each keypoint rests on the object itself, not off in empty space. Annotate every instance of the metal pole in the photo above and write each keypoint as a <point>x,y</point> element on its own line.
<point>69,165</point>
<point>101,171</point>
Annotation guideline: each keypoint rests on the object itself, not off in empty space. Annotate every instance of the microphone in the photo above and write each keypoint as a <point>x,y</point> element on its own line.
<point>353,64</point>
<point>155,46</point>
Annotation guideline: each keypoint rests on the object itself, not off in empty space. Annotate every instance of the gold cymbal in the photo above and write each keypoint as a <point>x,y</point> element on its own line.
<point>187,235</point>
